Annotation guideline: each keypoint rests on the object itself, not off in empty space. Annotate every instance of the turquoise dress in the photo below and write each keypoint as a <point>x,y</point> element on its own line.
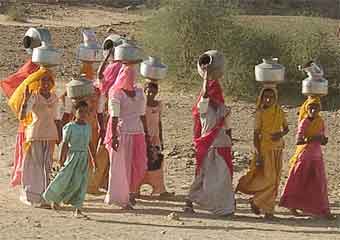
<point>70,184</point>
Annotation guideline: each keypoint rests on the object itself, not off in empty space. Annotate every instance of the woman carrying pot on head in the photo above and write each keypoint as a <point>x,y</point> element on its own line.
<point>212,187</point>
<point>263,177</point>
<point>306,187</point>
<point>126,138</point>
<point>41,136</point>
<point>8,86</point>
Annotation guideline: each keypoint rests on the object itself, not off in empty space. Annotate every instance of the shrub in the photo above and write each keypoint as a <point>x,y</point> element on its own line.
<point>182,30</point>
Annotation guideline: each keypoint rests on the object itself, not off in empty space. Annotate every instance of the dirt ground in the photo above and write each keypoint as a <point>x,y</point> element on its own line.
<point>149,220</point>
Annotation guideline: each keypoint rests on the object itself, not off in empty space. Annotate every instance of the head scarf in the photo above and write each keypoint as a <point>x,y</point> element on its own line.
<point>259,104</point>
<point>9,84</point>
<point>126,79</point>
<point>110,76</point>
<point>303,112</point>
<point>215,94</point>
<point>33,82</point>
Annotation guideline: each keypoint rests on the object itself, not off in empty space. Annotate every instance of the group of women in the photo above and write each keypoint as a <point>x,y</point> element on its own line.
<point>119,130</point>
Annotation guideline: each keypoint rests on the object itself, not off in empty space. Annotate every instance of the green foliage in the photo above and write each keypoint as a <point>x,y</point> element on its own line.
<point>182,30</point>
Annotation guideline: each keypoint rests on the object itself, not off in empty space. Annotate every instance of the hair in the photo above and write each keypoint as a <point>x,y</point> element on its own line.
<point>151,85</point>
<point>80,105</point>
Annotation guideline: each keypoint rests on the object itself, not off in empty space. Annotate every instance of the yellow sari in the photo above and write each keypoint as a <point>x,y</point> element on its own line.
<point>263,182</point>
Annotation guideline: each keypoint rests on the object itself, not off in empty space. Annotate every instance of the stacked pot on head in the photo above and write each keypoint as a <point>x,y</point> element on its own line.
<point>38,41</point>
<point>89,50</point>
<point>315,84</point>
<point>270,73</point>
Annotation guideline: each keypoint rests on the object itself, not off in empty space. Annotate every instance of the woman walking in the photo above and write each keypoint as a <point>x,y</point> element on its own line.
<point>126,138</point>
<point>263,177</point>
<point>306,187</point>
<point>212,187</point>
<point>41,136</point>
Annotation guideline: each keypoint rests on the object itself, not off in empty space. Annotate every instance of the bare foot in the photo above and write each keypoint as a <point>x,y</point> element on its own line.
<point>330,217</point>
<point>127,207</point>
<point>79,214</point>
<point>188,209</point>
<point>269,216</point>
<point>254,208</point>
<point>295,213</point>
<point>55,206</point>
<point>166,194</point>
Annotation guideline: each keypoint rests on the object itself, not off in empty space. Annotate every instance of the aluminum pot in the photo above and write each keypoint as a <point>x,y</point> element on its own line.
<point>111,41</point>
<point>214,61</point>
<point>270,71</point>
<point>47,56</point>
<point>79,88</point>
<point>127,52</point>
<point>153,69</point>
<point>35,36</point>
<point>90,53</point>
<point>311,87</point>
<point>315,83</point>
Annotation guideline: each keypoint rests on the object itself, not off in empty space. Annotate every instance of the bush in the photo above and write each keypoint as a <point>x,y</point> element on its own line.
<point>182,30</point>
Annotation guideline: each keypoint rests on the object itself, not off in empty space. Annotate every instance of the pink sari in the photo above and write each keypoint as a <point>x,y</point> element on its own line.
<point>110,76</point>
<point>128,165</point>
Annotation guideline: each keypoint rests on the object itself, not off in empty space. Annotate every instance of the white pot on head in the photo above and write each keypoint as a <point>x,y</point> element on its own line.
<point>153,69</point>
<point>127,52</point>
<point>315,84</point>
<point>270,71</point>
<point>46,55</point>
<point>111,41</point>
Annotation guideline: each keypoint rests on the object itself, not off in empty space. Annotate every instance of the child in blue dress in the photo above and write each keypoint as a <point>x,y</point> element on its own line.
<point>70,184</point>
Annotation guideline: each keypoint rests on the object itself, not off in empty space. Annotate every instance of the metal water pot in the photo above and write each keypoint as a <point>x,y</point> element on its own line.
<point>79,88</point>
<point>46,55</point>
<point>89,51</point>
<point>111,41</point>
<point>315,83</point>
<point>35,36</point>
<point>127,52</point>
<point>214,61</point>
<point>270,71</point>
<point>153,69</point>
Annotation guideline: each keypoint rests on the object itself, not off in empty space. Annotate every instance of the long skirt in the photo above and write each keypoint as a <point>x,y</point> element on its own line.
<point>36,171</point>
<point>212,187</point>
<point>306,187</point>
<point>70,184</point>
<point>18,162</point>
<point>263,182</point>
<point>127,168</point>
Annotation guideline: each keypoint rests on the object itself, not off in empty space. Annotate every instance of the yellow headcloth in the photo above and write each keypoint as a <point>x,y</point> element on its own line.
<point>259,98</point>
<point>303,112</point>
<point>33,82</point>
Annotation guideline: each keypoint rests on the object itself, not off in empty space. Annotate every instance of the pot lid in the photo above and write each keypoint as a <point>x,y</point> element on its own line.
<point>270,63</point>
<point>82,81</point>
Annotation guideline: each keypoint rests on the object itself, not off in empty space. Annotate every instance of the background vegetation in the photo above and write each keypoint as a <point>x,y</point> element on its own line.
<point>182,30</point>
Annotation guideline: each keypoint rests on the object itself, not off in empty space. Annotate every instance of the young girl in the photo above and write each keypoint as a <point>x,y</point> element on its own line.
<point>154,175</point>
<point>70,184</point>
